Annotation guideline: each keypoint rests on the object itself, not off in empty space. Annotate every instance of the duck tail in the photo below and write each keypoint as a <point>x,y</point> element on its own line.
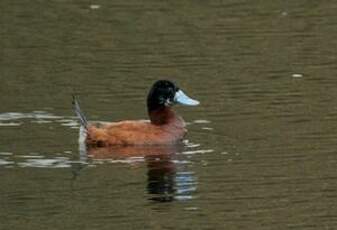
<point>79,113</point>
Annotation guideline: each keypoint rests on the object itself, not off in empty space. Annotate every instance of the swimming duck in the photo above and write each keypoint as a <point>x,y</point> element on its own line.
<point>165,127</point>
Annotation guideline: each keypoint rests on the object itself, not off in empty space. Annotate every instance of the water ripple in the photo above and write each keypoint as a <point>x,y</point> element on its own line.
<point>37,117</point>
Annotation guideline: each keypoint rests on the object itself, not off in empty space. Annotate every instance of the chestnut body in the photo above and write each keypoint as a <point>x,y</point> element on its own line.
<point>141,132</point>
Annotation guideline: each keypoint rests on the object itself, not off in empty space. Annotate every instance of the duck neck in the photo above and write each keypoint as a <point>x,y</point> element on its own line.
<point>162,116</point>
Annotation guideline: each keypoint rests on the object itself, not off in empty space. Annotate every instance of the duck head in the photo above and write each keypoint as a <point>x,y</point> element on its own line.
<point>165,94</point>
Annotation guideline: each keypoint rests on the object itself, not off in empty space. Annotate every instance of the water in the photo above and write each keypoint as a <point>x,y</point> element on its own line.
<point>261,147</point>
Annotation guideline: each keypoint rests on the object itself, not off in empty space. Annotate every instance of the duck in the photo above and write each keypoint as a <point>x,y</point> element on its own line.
<point>164,127</point>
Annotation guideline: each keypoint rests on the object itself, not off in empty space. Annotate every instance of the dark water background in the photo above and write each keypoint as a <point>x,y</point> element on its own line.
<point>261,149</point>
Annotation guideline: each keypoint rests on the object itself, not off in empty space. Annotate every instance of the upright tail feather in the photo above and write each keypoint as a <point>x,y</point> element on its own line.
<point>79,113</point>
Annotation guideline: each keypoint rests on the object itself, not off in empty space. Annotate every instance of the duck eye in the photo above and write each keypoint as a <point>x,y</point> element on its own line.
<point>162,100</point>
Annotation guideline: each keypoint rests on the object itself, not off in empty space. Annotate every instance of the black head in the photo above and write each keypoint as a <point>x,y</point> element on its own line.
<point>161,94</point>
<point>165,93</point>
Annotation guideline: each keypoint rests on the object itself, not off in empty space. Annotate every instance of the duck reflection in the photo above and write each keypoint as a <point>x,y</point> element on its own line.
<point>167,178</point>
<point>161,177</point>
